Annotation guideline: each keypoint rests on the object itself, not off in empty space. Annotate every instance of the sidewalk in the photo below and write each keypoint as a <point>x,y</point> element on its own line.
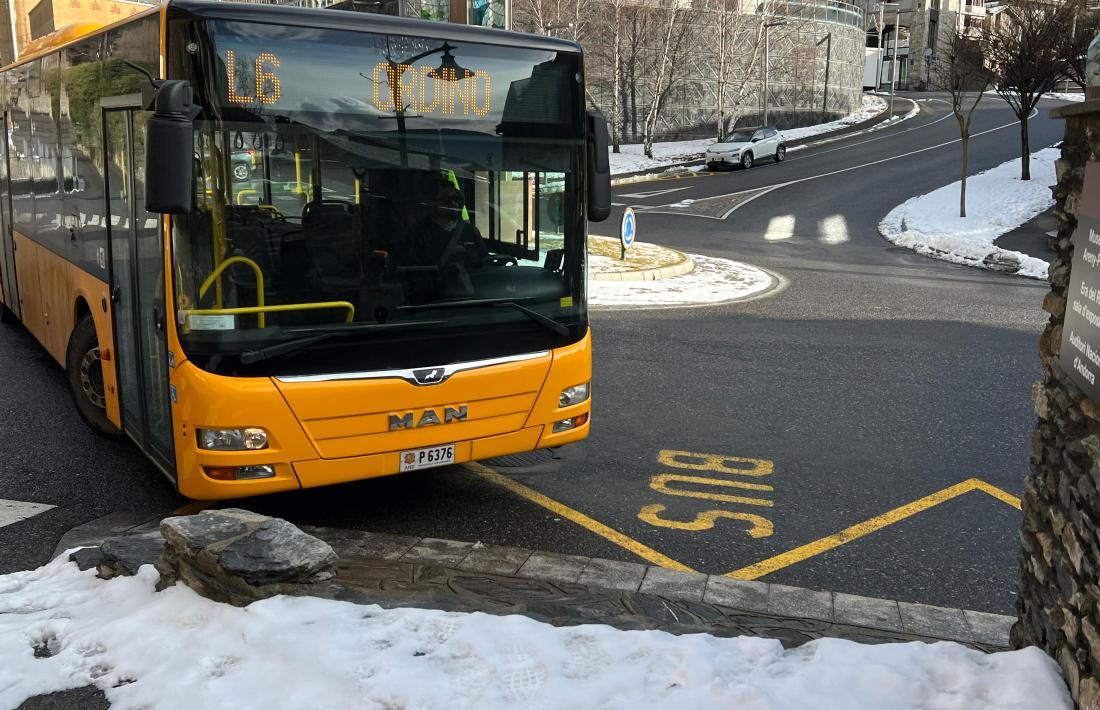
<point>226,606</point>
<point>1033,237</point>
<point>397,571</point>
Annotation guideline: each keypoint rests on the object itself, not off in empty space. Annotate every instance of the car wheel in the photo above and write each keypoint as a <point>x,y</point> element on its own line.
<point>746,161</point>
<point>780,153</point>
<point>241,171</point>
<point>84,372</point>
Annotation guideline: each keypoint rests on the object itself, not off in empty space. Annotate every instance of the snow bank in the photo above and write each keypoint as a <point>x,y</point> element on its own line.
<point>1070,96</point>
<point>177,650</point>
<point>632,158</point>
<point>174,649</point>
<point>997,202</point>
<point>712,281</point>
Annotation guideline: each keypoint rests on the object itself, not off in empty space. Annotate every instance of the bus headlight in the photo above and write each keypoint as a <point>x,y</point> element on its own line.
<point>573,395</point>
<point>250,439</point>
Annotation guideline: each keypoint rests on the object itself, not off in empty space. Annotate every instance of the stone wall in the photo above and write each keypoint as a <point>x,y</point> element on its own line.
<point>1059,572</point>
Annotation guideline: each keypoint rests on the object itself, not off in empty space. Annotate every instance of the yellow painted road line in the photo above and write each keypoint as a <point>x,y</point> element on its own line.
<point>594,526</point>
<point>999,494</point>
<point>194,507</point>
<point>798,554</point>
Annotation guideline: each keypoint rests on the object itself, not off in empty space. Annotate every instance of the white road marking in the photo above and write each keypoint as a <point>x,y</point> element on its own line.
<point>654,193</point>
<point>833,229</point>
<point>780,228</point>
<point>12,511</point>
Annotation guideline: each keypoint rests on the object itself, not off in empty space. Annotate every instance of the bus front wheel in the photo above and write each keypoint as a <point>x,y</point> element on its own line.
<point>84,370</point>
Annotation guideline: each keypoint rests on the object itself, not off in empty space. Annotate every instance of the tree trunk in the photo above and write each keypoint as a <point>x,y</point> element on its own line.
<point>616,80</point>
<point>1025,145</point>
<point>965,172</point>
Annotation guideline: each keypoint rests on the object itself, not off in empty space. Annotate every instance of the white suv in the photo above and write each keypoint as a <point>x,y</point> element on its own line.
<point>745,146</point>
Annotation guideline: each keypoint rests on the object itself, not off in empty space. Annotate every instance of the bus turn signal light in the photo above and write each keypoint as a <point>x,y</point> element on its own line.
<point>239,473</point>
<point>570,423</point>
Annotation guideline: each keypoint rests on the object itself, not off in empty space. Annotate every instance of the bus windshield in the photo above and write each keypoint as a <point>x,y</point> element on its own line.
<point>421,195</point>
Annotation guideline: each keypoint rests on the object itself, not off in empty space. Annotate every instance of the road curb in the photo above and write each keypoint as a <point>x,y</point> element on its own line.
<point>823,139</point>
<point>888,618</point>
<point>684,266</point>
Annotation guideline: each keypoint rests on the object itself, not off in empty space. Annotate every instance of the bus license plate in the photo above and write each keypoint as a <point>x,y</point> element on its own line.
<point>427,458</point>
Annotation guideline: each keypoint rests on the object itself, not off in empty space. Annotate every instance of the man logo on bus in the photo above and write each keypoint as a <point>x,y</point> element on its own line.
<point>429,377</point>
<point>427,418</point>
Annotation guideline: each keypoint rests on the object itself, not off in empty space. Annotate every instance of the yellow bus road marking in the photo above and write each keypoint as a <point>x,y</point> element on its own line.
<point>195,507</point>
<point>798,554</point>
<point>645,552</point>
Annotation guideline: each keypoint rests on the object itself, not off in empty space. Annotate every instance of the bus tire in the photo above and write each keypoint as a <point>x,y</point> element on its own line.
<point>84,373</point>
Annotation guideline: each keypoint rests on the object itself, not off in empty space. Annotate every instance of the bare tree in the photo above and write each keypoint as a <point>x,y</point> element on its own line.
<point>1029,49</point>
<point>669,65</point>
<point>961,72</point>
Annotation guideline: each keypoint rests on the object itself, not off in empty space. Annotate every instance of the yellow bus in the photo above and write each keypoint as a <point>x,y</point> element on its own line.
<point>281,248</point>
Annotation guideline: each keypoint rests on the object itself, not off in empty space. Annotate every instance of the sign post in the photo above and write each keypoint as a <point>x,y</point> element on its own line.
<point>1080,353</point>
<point>627,231</point>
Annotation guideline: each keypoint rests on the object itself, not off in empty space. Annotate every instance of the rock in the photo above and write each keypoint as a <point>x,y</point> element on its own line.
<point>1001,261</point>
<point>276,552</point>
<point>1089,697</point>
<point>125,555</point>
<point>1041,401</point>
<point>86,557</point>
<point>195,532</point>
<point>1054,304</point>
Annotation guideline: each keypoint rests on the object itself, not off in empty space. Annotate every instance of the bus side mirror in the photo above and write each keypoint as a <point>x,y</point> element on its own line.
<point>169,150</point>
<point>599,169</point>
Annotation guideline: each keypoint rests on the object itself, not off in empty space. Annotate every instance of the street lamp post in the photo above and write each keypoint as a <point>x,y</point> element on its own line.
<point>894,55</point>
<point>828,60</point>
<point>768,26</point>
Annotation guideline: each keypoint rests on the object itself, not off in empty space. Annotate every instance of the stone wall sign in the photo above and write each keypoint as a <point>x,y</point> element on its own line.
<point>1080,353</point>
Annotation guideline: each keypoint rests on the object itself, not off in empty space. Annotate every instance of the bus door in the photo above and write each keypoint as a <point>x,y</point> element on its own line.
<point>136,251</point>
<point>7,239</point>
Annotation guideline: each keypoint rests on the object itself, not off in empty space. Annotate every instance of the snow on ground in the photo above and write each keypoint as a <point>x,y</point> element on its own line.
<point>632,158</point>
<point>872,106</point>
<point>712,281</point>
<point>997,202</point>
<point>1061,96</point>
<point>174,649</point>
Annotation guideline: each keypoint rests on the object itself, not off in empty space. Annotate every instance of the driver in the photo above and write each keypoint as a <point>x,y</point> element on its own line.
<point>443,232</point>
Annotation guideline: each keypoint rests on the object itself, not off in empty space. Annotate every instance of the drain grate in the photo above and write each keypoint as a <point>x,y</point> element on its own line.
<point>522,460</point>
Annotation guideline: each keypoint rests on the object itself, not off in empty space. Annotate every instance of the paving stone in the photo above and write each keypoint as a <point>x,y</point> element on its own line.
<point>936,621</point>
<point>445,552</point>
<point>736,593</point>
<point>552,567</point>
<point>866,611</point>
<point>799,602</point>
<point>611,574</point>
<point>673,584</point>
<point>495,559</point>
<point>992,629</point>
<point>384,546</point>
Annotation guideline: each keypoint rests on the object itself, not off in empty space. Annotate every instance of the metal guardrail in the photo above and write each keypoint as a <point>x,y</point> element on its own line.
<point>836,11</point>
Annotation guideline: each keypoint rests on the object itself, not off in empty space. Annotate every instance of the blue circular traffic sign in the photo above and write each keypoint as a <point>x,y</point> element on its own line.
<point>629,228</point>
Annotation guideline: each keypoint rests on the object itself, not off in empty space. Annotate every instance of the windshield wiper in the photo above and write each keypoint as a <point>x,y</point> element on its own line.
<point>249,357</point>
<point>539,318</point>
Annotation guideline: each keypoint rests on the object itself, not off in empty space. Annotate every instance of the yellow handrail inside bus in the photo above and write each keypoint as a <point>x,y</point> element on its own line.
<point>216,274</point>
<point>320,305</point>
<point>247,191</point>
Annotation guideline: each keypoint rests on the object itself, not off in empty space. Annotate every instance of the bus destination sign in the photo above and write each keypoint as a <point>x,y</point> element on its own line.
<point>1080,353</point>
<point>417,89</point>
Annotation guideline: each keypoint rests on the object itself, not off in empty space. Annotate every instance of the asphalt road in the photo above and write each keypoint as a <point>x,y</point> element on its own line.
<point>873,379</point>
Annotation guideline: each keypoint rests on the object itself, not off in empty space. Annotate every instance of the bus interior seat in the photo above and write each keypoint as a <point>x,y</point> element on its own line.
<point>333,242</point>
